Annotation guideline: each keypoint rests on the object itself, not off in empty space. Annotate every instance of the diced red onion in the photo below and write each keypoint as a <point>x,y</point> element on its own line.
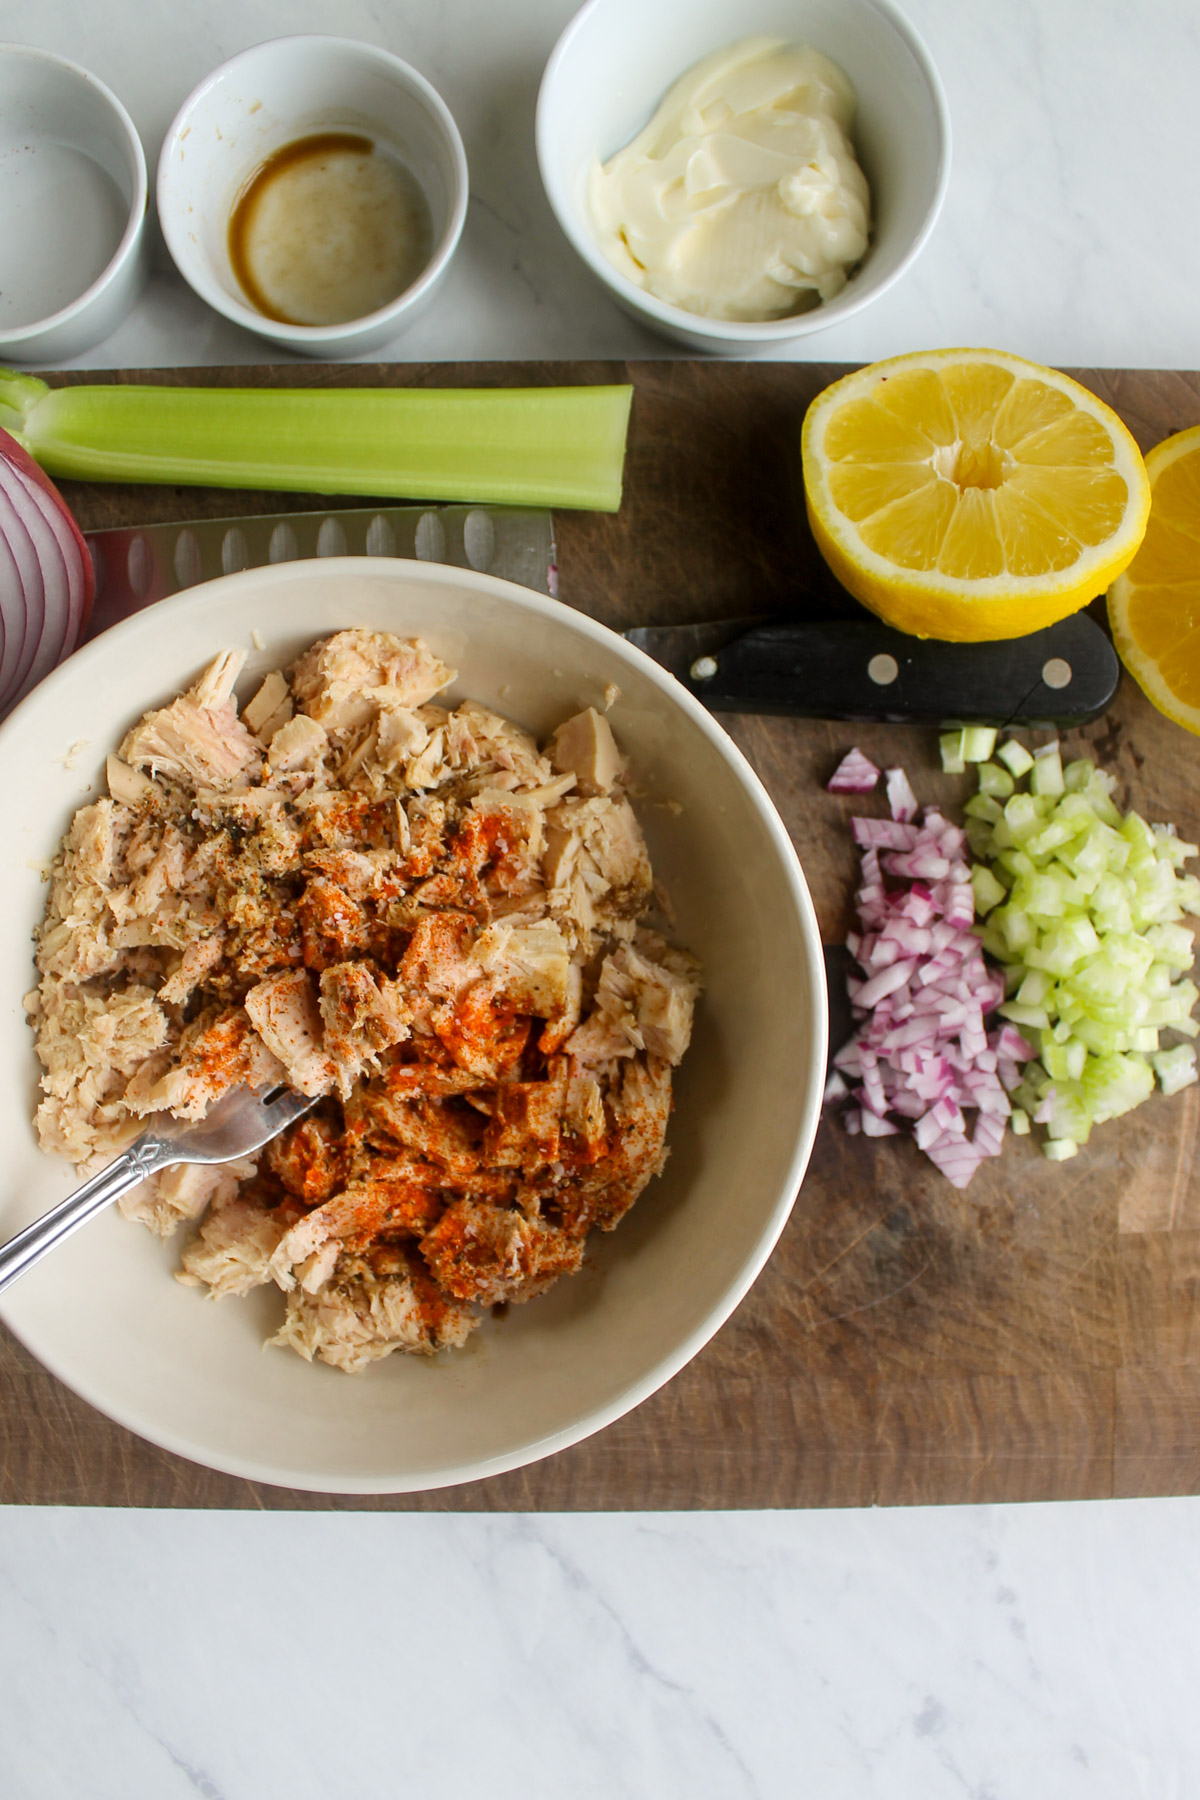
<point>901,798</point>
<point>921,1052</point>
<point>855,774</point>
<point>883,834</point>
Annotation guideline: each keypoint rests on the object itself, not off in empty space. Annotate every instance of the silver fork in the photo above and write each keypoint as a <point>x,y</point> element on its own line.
<point>240,1123</point>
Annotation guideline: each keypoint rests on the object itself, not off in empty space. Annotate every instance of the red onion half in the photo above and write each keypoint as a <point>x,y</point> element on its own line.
<point>47,581</point>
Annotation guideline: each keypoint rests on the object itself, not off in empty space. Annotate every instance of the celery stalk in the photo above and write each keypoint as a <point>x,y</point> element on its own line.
<point>514,446</point>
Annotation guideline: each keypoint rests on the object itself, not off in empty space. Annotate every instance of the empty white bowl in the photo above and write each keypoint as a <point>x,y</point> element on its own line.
<point>276,94</point>
<point>616,60</point>
<point>103,1312</point>
<point>73,198</point>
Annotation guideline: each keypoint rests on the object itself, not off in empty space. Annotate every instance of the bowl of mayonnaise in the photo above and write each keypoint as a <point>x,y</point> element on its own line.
<point>737,182</point>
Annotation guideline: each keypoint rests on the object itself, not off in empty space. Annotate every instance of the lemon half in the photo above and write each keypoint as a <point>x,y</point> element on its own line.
<point>1154,607</point>
<point>969,494</point>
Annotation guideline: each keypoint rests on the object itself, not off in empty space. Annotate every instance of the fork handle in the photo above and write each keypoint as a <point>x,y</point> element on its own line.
<point>142,1158</point>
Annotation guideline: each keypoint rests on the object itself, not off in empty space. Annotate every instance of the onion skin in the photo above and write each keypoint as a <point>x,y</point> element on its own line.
<point>21,459</point>
<point>48,579</point>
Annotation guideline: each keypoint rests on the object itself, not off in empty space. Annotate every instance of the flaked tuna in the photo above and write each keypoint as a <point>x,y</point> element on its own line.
<point>413,911</point>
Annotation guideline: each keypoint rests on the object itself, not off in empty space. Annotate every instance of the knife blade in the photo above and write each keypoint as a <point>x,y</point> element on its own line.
<point>864,670</point>
<point>139,564</point>
<point>813,668</point>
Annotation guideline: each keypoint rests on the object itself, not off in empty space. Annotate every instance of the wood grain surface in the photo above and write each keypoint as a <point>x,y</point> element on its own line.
<point>1034,1338</point>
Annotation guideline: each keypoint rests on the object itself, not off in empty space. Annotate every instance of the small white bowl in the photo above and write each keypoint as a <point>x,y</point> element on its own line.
<point>617,58</point>
<point>103,1312</point>
<point>275,94</point>
<point>73,199</point>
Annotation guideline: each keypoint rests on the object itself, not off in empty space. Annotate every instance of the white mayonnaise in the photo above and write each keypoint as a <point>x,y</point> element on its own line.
<point>742,198</point>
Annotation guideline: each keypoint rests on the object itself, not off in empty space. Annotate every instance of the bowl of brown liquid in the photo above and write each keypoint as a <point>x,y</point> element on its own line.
<point>313,190</point>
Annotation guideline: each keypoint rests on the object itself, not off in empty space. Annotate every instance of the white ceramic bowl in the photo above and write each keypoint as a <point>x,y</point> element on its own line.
<point>73,199</point>
<point>272,95</point>
<point>102,1311</point>
<point>617,58</point>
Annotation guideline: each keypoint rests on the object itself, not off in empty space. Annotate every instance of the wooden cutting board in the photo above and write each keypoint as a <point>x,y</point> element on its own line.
<point>1034,1338</point>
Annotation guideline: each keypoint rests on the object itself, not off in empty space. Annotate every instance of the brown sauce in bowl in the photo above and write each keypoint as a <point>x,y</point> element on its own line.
<point>328,229</point>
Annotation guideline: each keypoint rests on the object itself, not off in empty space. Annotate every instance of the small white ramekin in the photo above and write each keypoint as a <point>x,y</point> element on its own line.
<point>73,200</point>
<point>617,58</point>
<point>272,95</point>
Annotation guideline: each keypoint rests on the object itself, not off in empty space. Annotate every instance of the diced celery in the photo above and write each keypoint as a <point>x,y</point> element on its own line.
<point>1017,927</point>
<point>1070,1115</point>
<point>1185,995</point>
<point>983,806</point>
<point>1018,1120</point>
<point>1046,775</point>
<point>1130,953</point>
<point>979,837</point>
<point>1099,797</point>
<point>1059,1149</point>
<point>1113,1085</point>
<point>1035,1017</point>
<point>995,781</point>
<point>1175,1068</point>
<point>978,742</point>
<point>1054,834</point>
<point>1172,849</point>
<point>988,891</point>
<point>1065,1061</point>
<point>1016,862</point>
<point>1137,833</point>
<point>1110,905</point>
<point>1172,944</point>
<point>1099,1038</point>
<point>1095,955</point>
<point>951,746</point>
<point>1015,757</point>
<point>1065,946</point>
<point>1039,894</point>
<point>1022,817</point>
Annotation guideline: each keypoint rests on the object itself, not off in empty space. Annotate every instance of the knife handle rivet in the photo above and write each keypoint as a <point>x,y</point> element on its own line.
<point>883,669</point>
<point>1057,672</point>
<point>703,669</point>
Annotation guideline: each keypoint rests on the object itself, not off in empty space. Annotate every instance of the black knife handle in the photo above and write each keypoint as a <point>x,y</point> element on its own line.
<point>1063,675</point>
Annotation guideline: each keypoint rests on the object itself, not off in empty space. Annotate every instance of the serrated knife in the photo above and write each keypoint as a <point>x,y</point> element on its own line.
<point>139,564</point>
<point>833,669</point>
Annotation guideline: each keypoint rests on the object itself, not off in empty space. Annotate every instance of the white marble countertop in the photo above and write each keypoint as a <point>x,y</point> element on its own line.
<point>1067,235</point>
<point>999,1653</point>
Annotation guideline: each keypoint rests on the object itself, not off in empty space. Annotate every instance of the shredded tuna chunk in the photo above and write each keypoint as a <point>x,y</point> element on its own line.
<point>234,1247</point>
<point>199,737</point>
<point>376,1305</point>
<point>417,914</point>
<point>181,1194</point>
<point>285,1012</point>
